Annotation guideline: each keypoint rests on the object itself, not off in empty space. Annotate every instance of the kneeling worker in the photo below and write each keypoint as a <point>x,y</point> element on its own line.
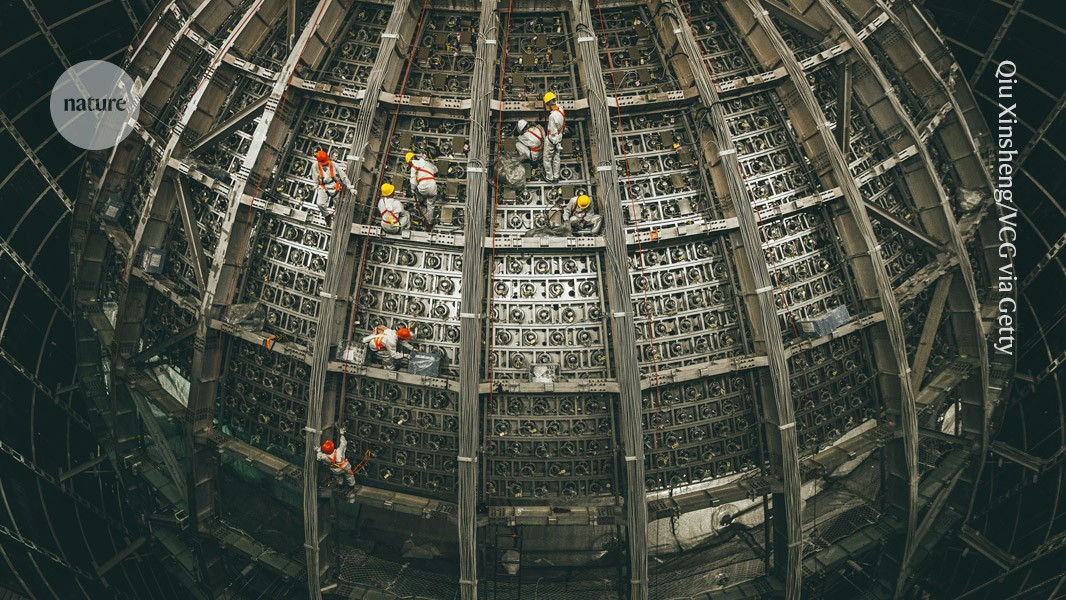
<point>337,459</point>
<point>383,343</point>
<point>394,217</point>
<point>579,218</point>
<point>529,141</point>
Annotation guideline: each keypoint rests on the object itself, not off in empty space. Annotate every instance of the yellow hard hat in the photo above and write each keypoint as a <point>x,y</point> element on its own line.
<point>583,201</point>
<point>549,97</point>
<point>409,156</point>
<point>387,189</point>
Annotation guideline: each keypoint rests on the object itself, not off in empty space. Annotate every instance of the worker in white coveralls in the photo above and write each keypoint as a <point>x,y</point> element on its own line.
<point>553,141</point>
<point>394,217</point>
<point>529,140</point>
<point>332,181</point>
<point>337,459</point>
<point>579,217</point>
<point>424,184</point>
<point>384,342</point>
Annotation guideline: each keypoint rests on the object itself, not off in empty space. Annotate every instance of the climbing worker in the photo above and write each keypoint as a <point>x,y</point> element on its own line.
<point>552,150</point>
<point>394,217</point>
<point>424,184</point>
<point>579,218</point>
<point>337,459</point>
<point>332,181</point>
<point>530,139</point>
<point>383,343</point>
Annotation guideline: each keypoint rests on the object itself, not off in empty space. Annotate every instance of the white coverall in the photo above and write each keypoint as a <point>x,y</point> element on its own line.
<point>530,142</point>
<point>553,143</point>
<point>581,221</point>
<point>424,184</point>
<point>394,217</point>
<point>384,344</point>
<point>338,463</point>
<point>331,181</point>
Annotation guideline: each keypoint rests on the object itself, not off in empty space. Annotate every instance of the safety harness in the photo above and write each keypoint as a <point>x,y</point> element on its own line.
<point>354,470</point>
<point>429,174</point>
<point>324,182</point>
<point>540,138</point>
<point>562,114</point>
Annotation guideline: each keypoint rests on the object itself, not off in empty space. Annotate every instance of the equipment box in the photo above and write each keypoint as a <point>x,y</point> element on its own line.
<point>823,325</point>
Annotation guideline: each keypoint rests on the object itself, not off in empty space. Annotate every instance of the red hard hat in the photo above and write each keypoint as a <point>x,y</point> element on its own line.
<point>322,157</point>
<point>403,333</point>
<point>327,446</point>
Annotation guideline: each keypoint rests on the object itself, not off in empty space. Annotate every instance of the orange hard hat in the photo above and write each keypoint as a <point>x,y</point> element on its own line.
<point>327,446</point>
<point>322,157</point>
<point>403,333</point>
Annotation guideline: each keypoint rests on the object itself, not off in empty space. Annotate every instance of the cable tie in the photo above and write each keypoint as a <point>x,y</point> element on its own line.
<point>677,31</point>
<point>475,169</point>
<point>764,289</point>
<point>786,426</point>
<point>390,36</point>
<point>465,459</point>
<point>465,315</point>
<point>490,42</point>
<point>727,151</point>
<point>326,294</point>
<point>631,459</point>
<point>602,168</point>
<point>619,314</point>
<point>311,430</point>
<point>586,39</point>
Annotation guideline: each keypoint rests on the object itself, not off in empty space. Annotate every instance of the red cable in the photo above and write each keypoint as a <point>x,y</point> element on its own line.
<point>381,175</point>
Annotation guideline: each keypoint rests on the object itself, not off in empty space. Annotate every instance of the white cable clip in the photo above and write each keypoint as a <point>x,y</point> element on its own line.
<point>619,314</point>
<point>465,459</point>
<point>475,169</point>
<point>602,168</point>
<point>311,430</point>
<point>586,39</point>
<point>390,36</point>
<point>786,426</point>
<point>490,42</point>
<point>631,459</point>
<point>727,151</point>
<point>764,289</point>
<point>466,315</point>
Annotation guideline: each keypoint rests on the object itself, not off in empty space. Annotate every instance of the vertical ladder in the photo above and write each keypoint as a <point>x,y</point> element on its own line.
<point>506,553</point>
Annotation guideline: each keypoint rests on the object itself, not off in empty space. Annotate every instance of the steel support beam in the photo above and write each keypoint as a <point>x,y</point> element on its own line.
<point>237,121</point>
<point>162,346</point>
<point>157,217</point>
<point>331,326</point>
<point>874,284</point>
<point>1001,32</point>
<point>940,222</point>
<point>622,327</point>
<point>843,132</point>
<point>81,468</point>
<point>472,301</point>
<point>897,224</point>
<point>121,556</point>
<point>929,329</point>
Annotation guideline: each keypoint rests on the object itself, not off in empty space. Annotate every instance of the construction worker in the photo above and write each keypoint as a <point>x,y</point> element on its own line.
<point>424,184</point>
<point>331,182</point>
<point>530,140</point>
<point>337,459</point>
<point>384,341</point>
<point>394,217</point>
<point>552,150</point>
<point>579,218</point>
